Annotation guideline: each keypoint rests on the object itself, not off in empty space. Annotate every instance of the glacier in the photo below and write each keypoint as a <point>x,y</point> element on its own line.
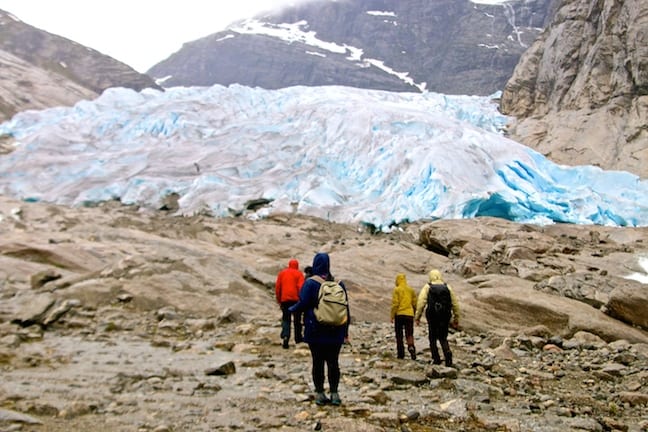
<point>344,154</point>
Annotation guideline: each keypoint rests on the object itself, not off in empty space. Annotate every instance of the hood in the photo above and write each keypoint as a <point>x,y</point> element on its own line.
<point>435,277</point>
<point>293,264</point>
<point>321,265</point>
<point>401,280</point>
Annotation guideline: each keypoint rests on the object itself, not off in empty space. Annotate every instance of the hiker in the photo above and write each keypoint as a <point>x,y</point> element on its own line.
<point>324,341</point>
<point>289,282</point>
<point>442,310</point>
<point>308,271</point>
<point>403,308</point>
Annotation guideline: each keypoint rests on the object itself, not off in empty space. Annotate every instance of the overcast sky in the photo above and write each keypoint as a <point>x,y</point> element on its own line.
<point>139,33</point>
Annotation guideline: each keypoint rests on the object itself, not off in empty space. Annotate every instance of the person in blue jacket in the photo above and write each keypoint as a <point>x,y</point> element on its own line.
<point>324,342</point>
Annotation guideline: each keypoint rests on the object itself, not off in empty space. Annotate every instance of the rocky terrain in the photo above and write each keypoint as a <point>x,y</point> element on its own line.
<point>116,318</point>
<point>41,70</point>
<point>451,46</point>
<point>580,92</point>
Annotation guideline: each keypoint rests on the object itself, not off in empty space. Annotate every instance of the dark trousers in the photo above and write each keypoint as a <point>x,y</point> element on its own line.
<point>325,354</point>
<point>403,324</point>
<point>438,331</point>
<point>286,317</point>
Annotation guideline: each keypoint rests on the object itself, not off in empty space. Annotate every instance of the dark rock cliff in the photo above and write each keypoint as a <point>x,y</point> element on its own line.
<point>449,46</point>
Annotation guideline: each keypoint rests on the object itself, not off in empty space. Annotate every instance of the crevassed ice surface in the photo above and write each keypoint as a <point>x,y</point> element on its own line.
<point>344,154</point>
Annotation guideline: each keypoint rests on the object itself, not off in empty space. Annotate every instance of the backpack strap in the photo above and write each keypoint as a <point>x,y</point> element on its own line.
<point>317,279</point>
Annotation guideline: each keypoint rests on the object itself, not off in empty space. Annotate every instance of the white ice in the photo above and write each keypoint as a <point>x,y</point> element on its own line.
<point>344,154</point>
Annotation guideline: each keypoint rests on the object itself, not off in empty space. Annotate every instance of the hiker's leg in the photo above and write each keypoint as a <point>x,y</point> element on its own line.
<point>409,335</point>
<point>285,320</point>
<point>432,335</point>
<point>297,322</point>
<point>447,354</point>
<point>445,346</point>
<point>333,366</point>
<point>398,328</point>
<point>299,333</point>
<point>318,354</point>
<point>408,323</point>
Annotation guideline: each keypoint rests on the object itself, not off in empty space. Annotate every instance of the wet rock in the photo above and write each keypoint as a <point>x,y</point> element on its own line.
<point>9,416</point>
<point>39,279</point>
<point>34,310</point>
<point>634,398</point>
<point>439,372</point>
<point>228,368</point>
<point>60,309</point>
<point>409,378</point>
<point>455,407</point>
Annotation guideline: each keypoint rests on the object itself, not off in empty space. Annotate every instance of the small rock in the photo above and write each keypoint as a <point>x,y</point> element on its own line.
<point>225,369</point>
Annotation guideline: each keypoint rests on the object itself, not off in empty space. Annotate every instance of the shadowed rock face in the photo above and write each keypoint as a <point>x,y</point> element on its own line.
<point>581,90</point>
<point>455,47</point>
<point>41,70</point>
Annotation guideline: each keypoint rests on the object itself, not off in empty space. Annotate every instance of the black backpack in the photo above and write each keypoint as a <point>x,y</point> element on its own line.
<point>439,304</point>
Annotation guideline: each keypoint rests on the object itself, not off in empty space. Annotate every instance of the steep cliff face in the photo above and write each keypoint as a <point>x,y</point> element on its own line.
<point>580,93</point>
<point>39,69</point>
<point>448,46</point>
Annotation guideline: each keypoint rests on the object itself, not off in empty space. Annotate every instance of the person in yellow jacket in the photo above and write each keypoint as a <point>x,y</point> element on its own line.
<point>441,310</point>
<point>402,315</point>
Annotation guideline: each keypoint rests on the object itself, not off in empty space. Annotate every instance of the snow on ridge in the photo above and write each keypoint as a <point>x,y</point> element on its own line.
<point>490,2</point>
<point>344,154</point>
<point>294,33</point>
<point>381,13</point>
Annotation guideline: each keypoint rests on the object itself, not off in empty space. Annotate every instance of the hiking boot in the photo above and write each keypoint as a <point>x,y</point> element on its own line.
<point>299,340</point>
<point>321,399</point>
<point>412,351</point>
<point>335,399</point>
<point>285,343</point>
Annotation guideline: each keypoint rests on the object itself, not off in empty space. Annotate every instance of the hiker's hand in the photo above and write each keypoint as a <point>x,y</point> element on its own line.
<point>418,322</point>
<point>455,324</point>
<point>392,320</point>
<point>346,339</point>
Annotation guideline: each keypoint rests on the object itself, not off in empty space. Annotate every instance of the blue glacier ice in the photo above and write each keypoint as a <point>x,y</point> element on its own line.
<point>344,154</point>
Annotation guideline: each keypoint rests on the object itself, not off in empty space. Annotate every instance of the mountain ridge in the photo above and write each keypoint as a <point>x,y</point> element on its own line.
<point>41,70</point>
<point>446,46</point>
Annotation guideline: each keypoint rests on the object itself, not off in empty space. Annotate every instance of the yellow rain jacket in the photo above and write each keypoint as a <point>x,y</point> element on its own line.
<point>435,278</point>
<point>403,298</point>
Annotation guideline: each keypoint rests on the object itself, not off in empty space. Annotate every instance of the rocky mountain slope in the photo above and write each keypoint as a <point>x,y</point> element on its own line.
<point>447,46</point>
<point>40,70</point>
<point>580,93</point>
<point>126,320</point>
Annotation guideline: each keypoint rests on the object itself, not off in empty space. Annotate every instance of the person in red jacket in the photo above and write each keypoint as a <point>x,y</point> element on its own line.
<point>289,282</point>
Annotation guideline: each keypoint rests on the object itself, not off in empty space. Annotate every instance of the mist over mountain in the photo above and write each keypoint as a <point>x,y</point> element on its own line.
<point>445,46</point>
<point>40,70</point>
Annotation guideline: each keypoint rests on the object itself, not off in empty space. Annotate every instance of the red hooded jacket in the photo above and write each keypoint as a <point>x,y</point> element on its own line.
<point>289,282</point>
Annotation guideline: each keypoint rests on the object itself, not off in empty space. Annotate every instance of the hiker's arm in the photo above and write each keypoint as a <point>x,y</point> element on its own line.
<point>278,288</point>
<point>305,297</point>
<point>348,323</point>
<point>414,301</point>
<point>394,305</point>
<point>421,303</point>
<point>455,308</point>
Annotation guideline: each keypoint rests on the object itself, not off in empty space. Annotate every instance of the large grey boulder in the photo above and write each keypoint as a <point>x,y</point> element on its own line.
<point>629,303</point>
